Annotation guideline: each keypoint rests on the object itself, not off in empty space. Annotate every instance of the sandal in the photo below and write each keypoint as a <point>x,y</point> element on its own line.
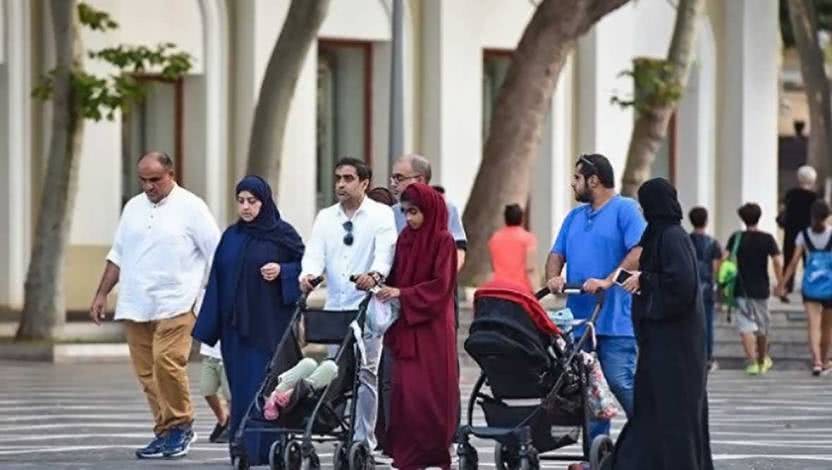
<point>816,370</point>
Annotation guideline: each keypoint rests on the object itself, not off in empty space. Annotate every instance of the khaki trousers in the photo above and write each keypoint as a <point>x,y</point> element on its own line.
<point>159,351</point>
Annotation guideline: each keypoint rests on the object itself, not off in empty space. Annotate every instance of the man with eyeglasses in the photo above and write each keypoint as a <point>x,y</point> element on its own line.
<point>414,168</point>
<point>354,237</point>
<point>596,239</point>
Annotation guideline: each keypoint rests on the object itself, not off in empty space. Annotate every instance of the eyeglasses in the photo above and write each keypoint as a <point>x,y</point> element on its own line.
<point>398,177</point>
<point>348,238</point>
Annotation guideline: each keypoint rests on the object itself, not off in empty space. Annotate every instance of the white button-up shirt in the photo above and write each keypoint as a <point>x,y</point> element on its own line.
<point>164,253</point>
<point>374,243</point>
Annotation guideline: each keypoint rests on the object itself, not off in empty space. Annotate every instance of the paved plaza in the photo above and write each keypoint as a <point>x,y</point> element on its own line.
<point>92,416</point>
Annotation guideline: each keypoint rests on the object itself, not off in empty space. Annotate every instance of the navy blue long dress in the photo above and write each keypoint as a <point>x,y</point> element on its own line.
<point>247,313</point>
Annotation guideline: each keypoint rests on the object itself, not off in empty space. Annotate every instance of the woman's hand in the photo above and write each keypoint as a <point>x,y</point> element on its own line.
<point>270,271</point>
<point>780,290</point>
<point>632,284</point>
<point>388,293</point>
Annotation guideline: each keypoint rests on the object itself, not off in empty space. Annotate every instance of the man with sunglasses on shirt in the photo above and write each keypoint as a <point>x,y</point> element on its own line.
<point>597,238</point>
<point>354,237</point>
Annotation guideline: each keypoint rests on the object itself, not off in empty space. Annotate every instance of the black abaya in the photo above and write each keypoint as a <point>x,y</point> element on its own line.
<point>669,426</point>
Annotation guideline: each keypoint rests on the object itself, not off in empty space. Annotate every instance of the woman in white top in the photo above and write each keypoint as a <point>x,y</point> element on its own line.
<point>817,237</point>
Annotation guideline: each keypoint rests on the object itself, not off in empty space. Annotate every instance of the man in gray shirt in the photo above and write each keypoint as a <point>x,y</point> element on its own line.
<point>414,168</point>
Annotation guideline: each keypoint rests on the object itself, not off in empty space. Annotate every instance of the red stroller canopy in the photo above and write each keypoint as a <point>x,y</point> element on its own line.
<point>518,294</point>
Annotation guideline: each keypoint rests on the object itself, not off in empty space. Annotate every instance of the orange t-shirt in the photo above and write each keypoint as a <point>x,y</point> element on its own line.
<point>509,247</point>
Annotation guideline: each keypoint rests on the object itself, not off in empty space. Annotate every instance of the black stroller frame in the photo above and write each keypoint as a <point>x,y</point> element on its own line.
<point>318,418</point>
<point>514,447</point>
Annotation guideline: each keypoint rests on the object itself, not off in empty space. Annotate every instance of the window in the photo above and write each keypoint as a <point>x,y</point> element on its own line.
<point>343,109</point>
<point>494,69</point>
<point>155,123</point>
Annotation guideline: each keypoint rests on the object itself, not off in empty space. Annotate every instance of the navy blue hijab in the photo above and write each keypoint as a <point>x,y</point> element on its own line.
<point>267,238</point>
<point>268,226</point>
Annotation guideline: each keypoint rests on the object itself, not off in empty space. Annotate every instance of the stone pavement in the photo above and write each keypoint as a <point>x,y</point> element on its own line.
<point>92,416</point>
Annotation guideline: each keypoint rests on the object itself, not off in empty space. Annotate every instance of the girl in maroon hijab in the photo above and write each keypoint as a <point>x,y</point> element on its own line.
<point>425,397</point>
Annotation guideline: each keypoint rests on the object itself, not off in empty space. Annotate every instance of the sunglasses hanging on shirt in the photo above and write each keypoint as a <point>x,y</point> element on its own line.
<point>348,238</point>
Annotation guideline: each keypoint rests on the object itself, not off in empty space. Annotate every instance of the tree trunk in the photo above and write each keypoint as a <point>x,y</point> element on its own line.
<point>803,17</point>
<point>515,132</point>
<point>650,127</point>
<point>299,31</point>
<point>43,308</point>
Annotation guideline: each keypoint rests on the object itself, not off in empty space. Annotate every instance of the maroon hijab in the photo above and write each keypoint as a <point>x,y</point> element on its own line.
<point>414,247</point>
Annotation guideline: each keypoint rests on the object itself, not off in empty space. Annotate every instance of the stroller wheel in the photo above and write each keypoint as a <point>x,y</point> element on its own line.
<point>468,458</point>
<point>504,458</point>
<point>360,457</point>
<point>292,456</point>
<point>530,461</point>
<point>601,448</point>
<point>310,462</point>
<point>276,456</point>
<point>340,459</point>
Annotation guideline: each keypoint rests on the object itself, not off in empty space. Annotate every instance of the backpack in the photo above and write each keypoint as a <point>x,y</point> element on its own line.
<point>729,273</point>
<point>817,270</point>
<point>703,248</point>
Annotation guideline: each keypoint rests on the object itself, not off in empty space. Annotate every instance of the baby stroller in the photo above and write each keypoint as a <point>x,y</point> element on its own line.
<point>317,417</point>
<point>524,357</point>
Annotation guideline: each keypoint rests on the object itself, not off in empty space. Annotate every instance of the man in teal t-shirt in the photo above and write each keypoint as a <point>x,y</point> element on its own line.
<point>595,239</point>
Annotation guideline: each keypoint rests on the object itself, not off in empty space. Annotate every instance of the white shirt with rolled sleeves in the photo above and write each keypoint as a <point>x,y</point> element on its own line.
<point>164,254</point>
<point>374,243</point>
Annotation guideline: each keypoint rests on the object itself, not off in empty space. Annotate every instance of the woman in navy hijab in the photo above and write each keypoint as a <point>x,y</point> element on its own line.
<point>250,298</point>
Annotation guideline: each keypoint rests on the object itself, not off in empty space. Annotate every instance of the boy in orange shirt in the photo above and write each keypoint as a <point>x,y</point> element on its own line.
<point>514,250</point>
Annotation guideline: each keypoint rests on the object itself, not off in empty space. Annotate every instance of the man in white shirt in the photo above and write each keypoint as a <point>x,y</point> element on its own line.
<point>356,236</point>
<point>161,255</point>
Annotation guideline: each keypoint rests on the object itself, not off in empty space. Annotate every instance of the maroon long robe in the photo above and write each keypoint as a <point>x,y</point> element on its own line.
<point>425,395</point>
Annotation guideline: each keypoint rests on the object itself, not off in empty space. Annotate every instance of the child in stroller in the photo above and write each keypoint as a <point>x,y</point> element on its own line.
<point>320,407</point>
<point>523,356</point>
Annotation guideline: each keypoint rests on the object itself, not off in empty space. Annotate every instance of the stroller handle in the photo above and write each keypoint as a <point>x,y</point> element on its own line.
<point>569,289</point>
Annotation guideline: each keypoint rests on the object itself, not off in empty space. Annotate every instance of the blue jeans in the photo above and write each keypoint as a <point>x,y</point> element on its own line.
<point>709,330</point>
<point>617,355</point>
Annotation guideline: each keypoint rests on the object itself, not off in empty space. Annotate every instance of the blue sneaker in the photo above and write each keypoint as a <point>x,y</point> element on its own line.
<point>154,449</point>
<point>178,442</point>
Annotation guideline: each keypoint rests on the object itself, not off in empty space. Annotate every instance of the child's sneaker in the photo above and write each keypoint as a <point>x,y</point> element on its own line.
<point>154,449</point>
<point>767,365</point>
<point>219,430</point>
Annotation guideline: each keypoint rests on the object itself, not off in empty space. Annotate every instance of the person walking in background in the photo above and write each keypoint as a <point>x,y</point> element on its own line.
<point>425,395</point>
<point>668,317</point>
<point>382,195</point>
<point>250,299</point>
<point>753,287</point>
<point>796,216</point>
<point>708,257</point>
<point>354,237</point>
<point>513,250</point>
<point>213,383</point>
<point>814,245</point>
<point>160,255</point>
<point>597,238</point>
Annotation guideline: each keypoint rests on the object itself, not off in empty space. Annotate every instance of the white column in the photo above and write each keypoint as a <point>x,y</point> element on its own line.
<point>551,192</point>
<point>603,54</point>
<point>696,128</point>
<point>215,46</point>
<point>747,163</point>
<point>452,93</point>
<point>15,168</point>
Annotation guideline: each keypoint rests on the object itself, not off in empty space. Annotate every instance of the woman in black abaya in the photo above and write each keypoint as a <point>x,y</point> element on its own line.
<point>669,426</point>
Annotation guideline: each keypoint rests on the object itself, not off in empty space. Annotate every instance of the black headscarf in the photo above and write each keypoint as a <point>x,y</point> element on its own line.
<point>659,201</point>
